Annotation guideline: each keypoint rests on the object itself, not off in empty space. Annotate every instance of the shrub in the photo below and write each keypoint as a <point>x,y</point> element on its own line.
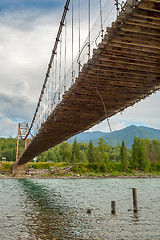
<point>93,167</point>
<point>155,167</point>
<point>79,168</point>
<point>6,166</point>
<point>46,165</point>
<point>39,165</point>
<point>103,168</point>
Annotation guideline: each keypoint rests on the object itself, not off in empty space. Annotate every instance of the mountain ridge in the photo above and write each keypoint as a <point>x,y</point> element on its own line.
<point>113,138</point>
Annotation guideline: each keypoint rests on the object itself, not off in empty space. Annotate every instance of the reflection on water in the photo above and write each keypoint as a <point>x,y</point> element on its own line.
<point>52,214</point>
<point>59,209</point>
<point>135,217</point>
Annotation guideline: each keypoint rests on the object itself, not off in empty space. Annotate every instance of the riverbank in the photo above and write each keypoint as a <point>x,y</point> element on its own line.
<point>45,170</point>
<point>77,176</point>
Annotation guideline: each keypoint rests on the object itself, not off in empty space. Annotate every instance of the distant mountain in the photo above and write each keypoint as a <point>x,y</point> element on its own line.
<point>113,138</point>
<point>86,136</point>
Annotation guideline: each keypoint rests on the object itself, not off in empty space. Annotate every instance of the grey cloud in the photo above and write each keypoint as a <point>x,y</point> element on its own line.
<point>145,112</point>
<point>26,41</point>
<point>8,128</point>
<point>21,86</point>
<point>16,106</point>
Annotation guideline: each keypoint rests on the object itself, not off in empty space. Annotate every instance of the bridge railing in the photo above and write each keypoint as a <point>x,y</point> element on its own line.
<point>60,80</point>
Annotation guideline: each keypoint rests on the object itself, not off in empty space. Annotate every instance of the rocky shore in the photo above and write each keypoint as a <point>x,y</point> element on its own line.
<point>77,176</point>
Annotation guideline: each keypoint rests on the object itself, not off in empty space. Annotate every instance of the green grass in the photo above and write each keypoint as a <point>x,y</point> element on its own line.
<point>46,165</point>
<point>6,166</point>
<point>83,169</point>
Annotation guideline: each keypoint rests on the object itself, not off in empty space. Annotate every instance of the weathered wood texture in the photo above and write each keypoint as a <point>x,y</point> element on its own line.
<point>124,69</point>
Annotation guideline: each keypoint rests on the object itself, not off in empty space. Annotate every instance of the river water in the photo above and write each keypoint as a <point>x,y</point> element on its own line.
<point>57,209</point>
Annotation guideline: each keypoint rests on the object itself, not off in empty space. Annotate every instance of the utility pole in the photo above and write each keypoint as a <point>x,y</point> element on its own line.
<point>22,132</point>
<point>18,142</point>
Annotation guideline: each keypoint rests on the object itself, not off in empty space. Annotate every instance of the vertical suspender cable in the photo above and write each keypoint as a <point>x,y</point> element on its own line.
<point>46,102</point>
<point>101,16</point>
<point>56,74</point>
<point>65,55</point>
<point>48,89</point>
<point>52,84</point>
<point>55,85</point>
<point>50,63</point>
<point>79,6</point>
<point>60,68</point>
<point>72,44</point>
<point>53,76</point>
<point>89,28</point>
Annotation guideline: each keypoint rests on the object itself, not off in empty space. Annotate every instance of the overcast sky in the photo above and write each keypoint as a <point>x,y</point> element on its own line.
<point>27,32</point>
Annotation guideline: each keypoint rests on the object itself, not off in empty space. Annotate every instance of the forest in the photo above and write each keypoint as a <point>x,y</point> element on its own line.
<point>144,154</point>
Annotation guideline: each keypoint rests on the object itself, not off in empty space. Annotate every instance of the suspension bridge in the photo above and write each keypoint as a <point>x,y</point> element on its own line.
<point>116,66</point>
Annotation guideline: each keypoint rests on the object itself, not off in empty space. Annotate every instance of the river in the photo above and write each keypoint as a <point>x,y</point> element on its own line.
<point>57,209</point>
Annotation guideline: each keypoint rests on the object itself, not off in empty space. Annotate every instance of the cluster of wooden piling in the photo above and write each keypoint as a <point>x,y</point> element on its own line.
<point>124,69</point>
<point>135,202</point>
<point>113,204</point>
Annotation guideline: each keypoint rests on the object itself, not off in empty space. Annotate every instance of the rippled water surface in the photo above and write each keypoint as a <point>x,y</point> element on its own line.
<point>57,209</point>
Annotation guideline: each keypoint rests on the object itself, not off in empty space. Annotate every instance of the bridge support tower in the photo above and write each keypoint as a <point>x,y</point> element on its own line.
<point>20,169</point>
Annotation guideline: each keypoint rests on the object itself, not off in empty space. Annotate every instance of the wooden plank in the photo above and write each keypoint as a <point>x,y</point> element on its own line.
<point>146,14</point>
<point>137,62</point>
<point>138,29</point>
<point>138,36</point>
<point>138,42</point>
<point>154,1</point>
<point>122,33</point>
<point>130,56</point>
<point>125,70</point>
<point>104,69</point>
<point>144,24</point>
<point>121,72</point>
<point>152,6</point>
<point>152,22</point>
<point>93,78</point>
<point>127,50</point>
<point>141,49</point>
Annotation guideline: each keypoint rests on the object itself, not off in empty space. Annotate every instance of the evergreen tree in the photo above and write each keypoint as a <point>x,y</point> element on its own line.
<point>148,150</point>
<point>83,157</point>
<point>124,157</point>
<point>9,154</point>
<point>75,152</point>
<point>141,154</point>
<point>51,156</point>
<point>91,153</point>
<point>138,154</point>
<point>101,153</point>
<point>65,151</point>
<point>134,153</point>
<point>155,155</point>
<point>147,168</point>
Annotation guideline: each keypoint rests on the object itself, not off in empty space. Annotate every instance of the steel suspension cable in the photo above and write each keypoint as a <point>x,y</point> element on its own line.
<point>60,67</point>
<point>45,101</point>
<point>101,16</point>
<point>72,44</point>
<point>55,86</point>
<point>103,103</point>
<point>65,55</point>
<point>66,8</point>
<point>79,6</point>
<point>89,28</point>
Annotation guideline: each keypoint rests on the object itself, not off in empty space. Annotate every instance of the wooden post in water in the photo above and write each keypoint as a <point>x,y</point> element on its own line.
<point>135,203</point>
<point>113,207</point>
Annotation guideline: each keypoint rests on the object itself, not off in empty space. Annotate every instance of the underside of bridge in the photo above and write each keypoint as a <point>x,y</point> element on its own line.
<point>124,69</point>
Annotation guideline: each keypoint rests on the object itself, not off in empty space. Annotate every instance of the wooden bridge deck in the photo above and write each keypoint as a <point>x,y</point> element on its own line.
<point>124,69</point>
